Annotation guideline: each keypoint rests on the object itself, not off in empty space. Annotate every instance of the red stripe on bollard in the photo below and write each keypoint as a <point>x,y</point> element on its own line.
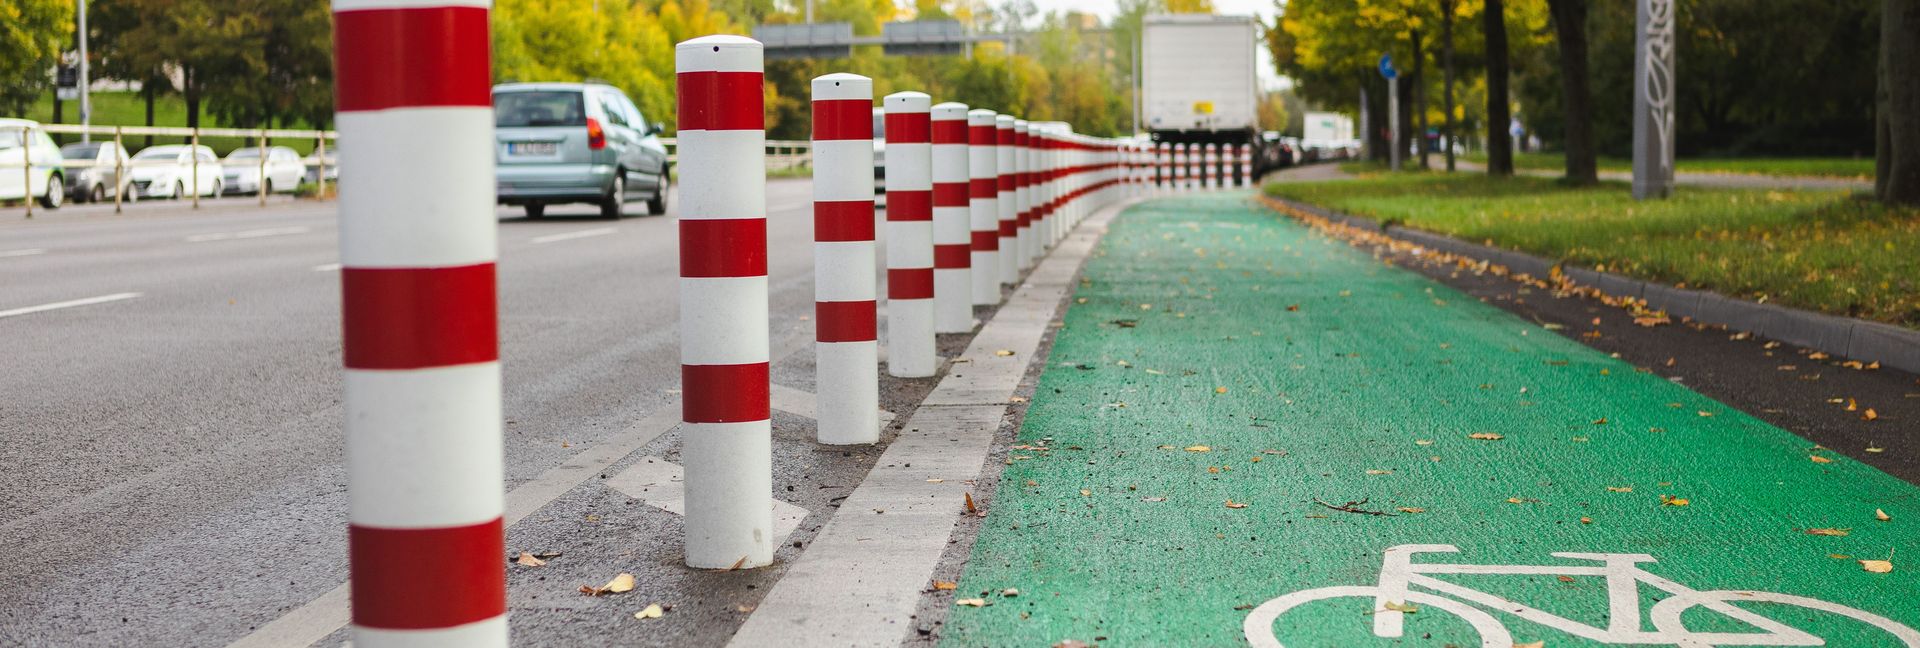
<point>414,318</point>
<point>950,194</point>
<point>721,101</point>
<point>725,393</point>
<point>909,205</point>
<point>910,283</point>
<point>909,129</point>
<point>951,257</point>
<point>736,235</point>
<point>842,119</point>
<point>414,57</point>
<point>844,220</point>
<point>986,241</point>
<point>983,188</point>
<point>950,132</point>
<point>417,579</point>
<point>847,321</point>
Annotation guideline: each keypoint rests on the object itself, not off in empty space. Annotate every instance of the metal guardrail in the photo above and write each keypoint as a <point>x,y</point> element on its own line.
<point>780,154</point>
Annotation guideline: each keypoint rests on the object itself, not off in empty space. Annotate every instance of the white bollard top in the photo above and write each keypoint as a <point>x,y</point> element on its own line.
<point>981,117</point>
<point>908,102</point>
<point>952,110</point>
<point>841,85</point>
<point>719,53</point>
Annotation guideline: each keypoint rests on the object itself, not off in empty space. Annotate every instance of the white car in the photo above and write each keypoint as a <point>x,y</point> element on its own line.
<point>242,174</point>
<point>20,141</point>
<point>97,170</point>
<point>168,172</point>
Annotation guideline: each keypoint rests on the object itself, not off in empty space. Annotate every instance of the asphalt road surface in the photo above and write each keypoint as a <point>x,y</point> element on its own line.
<point>172,465</point>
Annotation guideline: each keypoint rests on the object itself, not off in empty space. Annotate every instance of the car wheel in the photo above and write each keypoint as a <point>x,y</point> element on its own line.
<point>99,194</point>
<point>616,198</point>
<point>536,210</point>
<point>56,192</point>
<point>658,204</point>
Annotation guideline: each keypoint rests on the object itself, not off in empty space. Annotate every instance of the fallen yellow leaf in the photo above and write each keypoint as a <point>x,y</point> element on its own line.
<point>1877,566</point>
<point>1086,493</point>
<point>529,560</point>
<point>1402,607</point>
<point>1009,592</point>
<point>1536,644</point>
<point>1586,520</point>
<point>1870,415</point>
<point>1235,505</point>
<point>1003,352</point>
<point>1379,472</point>
<point>945,585</point>
<point>1669,500</point>
<point>1423,442</point>
<point>1412,509</point>
<point>1220,390</point>
<point>1486,436</point>
<point>1818,459</point>
<point>1619,489</point>
<point>1198,448</point>
<point>1828,532</point>
<point>652,612</point>
<point>1882,516</point>
<point>973,602</point>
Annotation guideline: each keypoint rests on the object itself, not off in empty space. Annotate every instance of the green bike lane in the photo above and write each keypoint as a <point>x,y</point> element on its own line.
<point>1238,409</point>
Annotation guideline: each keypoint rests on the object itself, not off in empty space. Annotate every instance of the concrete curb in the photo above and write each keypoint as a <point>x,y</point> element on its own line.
<point>1891,346</point>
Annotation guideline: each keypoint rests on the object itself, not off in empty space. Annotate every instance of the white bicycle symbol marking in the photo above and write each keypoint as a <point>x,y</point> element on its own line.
<point>1398,574</point>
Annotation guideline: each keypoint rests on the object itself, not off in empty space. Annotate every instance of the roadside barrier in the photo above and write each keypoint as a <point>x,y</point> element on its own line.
<point>420,343</point>
<point>725,388</point>
<point>1023,160</point>
<point>845,351</point>
<point>952,258</point>
<point>983,178</point>
<point>1180,167</point>
<point>1012,256</point>
<point>1165,175</point>
<point>1244,155</point>
<point>910,349</point>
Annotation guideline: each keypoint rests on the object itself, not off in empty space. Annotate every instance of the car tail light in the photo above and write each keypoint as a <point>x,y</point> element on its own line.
<point>596,137</point>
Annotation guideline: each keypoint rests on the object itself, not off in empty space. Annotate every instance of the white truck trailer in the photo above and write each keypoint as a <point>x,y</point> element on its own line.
<point>1198,78</point>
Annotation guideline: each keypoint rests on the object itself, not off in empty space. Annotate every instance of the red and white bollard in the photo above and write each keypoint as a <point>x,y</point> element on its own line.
<point>1244,153</point>
<point>910,352</point>
<point>952,256</point>
<point>983,177</point>
<point>727,436</point>
<point>1166,167</point>
<point>846,355</point>
<point>1180,167</point>
<point>1212,161</point>
<point>420,337</point>
<point>1010,252</point>
<point>1023,192</point>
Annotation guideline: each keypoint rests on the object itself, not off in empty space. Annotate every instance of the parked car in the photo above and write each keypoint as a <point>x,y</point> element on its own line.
<point>98,170</point>
<point>561,143</point>
<point>315,164</point>
<point>24,143</point>
<point>241,170</point>
<point>168,171</point>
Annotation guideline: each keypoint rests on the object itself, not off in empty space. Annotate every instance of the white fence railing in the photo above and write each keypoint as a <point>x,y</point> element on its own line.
<point>320,164</point>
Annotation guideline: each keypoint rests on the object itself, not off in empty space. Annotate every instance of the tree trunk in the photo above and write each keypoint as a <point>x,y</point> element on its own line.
<point>1499,111</point>
<point>1404,85</point>
<point>1570,23</point>
<point>1897,165</point>
<point>1420,99</point>
<point>146,94</point>
<point>1446,55</point>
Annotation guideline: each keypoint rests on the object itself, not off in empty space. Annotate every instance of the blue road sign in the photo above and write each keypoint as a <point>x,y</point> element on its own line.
<point>1386,66</point>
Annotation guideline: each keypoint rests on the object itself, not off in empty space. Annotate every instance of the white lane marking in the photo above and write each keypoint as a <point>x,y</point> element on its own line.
<point>800,403</point>
<point>568,236</point>
<point>920,481</point>
<point>327,267</point>
<point>247,234</point>
<point>662,485</point>
<point>321,616</point>
<point>21,253</point>
<point>69,304</point>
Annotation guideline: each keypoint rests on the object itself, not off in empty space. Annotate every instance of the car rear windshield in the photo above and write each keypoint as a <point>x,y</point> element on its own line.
<point>80,151</point>
<point>539,108</point>
<point>880,126</point>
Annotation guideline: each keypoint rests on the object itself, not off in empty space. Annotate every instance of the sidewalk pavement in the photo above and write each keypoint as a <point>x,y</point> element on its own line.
<point>1240,417</point>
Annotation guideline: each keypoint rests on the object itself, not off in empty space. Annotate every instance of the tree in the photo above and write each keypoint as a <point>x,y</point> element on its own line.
<point>1570,24</point>
<point>1499,110</point>
<point>1274,115</point>
<point>1897,163</point>
<point>1447,11</point>
<point>32,35</point>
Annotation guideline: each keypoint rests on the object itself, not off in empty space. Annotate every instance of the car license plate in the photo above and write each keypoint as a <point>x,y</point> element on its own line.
<point>532,148</point>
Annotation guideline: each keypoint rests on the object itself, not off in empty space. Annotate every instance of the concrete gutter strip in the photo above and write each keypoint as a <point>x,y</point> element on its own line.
<point>1862,340</point>
<point>860,581</point>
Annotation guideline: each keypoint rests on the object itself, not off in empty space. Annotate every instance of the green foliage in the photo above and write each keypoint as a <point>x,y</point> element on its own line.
<point>1755,77</point>
<point>1824,250</point>
<point>32,35</point>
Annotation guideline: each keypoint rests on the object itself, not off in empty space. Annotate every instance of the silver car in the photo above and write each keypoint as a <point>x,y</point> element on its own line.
<point>561,143</point>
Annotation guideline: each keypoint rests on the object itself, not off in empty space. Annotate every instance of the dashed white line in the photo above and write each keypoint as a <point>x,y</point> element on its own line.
<point>247,234</point>
<point>568,236</point>
<point>327,267</point>
<point>69,304</point>
<point>21,253</point>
